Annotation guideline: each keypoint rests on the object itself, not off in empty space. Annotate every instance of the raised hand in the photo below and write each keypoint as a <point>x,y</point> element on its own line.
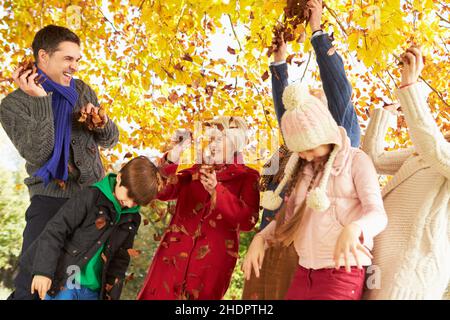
<point>280,53</point>
<point>412,65</point>
<point>316,9</point>
<point>26,82</point>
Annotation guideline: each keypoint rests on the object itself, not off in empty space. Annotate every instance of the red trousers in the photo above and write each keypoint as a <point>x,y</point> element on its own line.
<point>326,284</point>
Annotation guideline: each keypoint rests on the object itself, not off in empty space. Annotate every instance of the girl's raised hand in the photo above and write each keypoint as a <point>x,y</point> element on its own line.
<point>348,243</point>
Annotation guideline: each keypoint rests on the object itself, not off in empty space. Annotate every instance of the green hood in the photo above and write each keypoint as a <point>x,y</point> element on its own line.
<point>107,186</point>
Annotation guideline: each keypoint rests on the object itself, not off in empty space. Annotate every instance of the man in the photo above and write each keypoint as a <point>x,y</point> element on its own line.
<point>61,154</point>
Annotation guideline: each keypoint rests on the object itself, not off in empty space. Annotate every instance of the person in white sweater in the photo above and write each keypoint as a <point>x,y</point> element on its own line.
<point>412,256</point>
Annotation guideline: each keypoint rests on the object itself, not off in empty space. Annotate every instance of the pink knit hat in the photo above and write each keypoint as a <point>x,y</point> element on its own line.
<point>306,124</point>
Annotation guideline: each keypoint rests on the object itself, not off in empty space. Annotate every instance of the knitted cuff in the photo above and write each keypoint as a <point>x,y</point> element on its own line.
<point>43,107</point>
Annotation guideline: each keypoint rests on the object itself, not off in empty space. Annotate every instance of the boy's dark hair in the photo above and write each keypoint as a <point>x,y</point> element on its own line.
<point>141,177</point>
<point>49,38</point>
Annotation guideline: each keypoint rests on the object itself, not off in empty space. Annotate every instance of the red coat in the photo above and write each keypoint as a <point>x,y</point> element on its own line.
<point>199,249</point>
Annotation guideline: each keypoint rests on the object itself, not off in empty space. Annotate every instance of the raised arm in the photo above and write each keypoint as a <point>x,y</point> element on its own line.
<point>27,117</point>
<point>386,162</point>
<point>425,134</point>
<point>336,86</point>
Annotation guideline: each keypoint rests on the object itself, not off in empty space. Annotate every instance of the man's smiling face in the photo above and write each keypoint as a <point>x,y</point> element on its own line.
<point>61,64</point>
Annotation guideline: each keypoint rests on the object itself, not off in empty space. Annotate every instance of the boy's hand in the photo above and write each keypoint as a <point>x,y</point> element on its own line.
<point>315,6</point>
<point>280,54</point>
<point>412,65</point>
<point>41,284</point>
<point>348,243</point>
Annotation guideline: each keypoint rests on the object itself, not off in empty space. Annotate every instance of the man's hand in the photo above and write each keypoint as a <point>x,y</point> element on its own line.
<point>26,82</point>
<point>316,8</point>
<point>91,108</point>
<point>41,284</point>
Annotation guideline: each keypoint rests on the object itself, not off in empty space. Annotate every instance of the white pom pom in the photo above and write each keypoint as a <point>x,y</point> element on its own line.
<point>270,200</point>
<point>318,200</point>
<point>294,95</point>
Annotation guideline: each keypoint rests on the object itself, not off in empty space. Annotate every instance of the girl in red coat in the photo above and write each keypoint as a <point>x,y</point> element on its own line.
<point>199,249</point>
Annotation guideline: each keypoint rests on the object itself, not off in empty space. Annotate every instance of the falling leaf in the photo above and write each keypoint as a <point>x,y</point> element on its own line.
<point>231,50</point>
<point>134,253</point>
<point>289,58</point>
<point>331,51</point>
<point>265,76</point>
<point>146,222</point>
<point>130,277</point>
<point>156,237</point>
<point>187,58</point>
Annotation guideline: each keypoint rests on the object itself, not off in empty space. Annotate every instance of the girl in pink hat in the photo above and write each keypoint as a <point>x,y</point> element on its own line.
<point>332,208</point>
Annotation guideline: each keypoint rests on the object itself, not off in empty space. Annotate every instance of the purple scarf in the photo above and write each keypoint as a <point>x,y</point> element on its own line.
<point>63,101</point>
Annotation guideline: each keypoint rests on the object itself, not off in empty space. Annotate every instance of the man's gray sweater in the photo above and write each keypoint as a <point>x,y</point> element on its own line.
<point>28,122</point>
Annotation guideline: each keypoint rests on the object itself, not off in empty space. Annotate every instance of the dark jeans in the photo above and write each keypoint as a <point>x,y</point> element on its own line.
<point>38,214</point>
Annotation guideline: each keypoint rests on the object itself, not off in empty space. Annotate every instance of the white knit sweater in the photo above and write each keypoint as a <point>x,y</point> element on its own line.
<point>413,253</point>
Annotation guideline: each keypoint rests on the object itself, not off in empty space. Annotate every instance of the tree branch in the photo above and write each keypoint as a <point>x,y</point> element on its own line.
<point>334,15</point>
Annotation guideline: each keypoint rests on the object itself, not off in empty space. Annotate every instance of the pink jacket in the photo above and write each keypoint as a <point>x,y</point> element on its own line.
<point>355,197</point>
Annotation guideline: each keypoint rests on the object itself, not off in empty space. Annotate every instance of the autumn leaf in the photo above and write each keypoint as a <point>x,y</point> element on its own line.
<point>187,58</point>
<point>100,222</point>
<point>156,237</point>
<point>134,253</point>
<point>183,255</point>
<point>202,252</point>
<point>229,244</point>
<point>265,76</point>
<point>130,277</point>
<point>231,50</point>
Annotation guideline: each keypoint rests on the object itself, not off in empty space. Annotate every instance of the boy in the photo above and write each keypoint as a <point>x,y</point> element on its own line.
<point>83,252</point>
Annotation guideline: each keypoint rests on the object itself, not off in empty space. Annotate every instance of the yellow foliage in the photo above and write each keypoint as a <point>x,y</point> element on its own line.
<point>137,53</point>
